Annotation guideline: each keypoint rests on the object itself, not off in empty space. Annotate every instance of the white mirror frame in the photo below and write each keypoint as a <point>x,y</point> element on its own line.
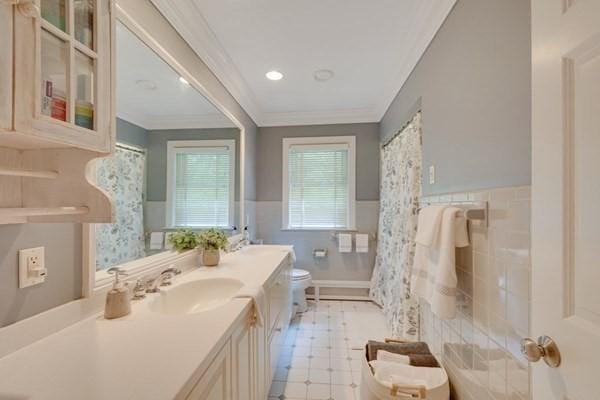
<point>144,266</point>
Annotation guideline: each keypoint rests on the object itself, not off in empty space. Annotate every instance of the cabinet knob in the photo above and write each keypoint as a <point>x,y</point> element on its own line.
<point>545,348</point>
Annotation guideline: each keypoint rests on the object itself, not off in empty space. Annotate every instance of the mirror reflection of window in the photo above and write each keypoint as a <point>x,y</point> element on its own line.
<point>158,109</point>
<point>200,184</point>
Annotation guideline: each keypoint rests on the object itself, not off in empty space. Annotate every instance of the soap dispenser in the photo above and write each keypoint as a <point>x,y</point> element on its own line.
<point>118,303</point>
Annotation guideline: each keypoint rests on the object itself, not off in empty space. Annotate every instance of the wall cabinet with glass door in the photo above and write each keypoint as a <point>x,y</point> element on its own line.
<point>57,108</point>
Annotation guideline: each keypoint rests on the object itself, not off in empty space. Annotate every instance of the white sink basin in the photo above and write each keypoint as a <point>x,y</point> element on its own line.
<point>196,296</point>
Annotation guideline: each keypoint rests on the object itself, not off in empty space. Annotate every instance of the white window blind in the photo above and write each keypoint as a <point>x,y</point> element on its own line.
<point>202,186</point>
<point>320,186</point>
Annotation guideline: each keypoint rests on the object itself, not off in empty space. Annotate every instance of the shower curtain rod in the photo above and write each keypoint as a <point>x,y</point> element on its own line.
<point>131,148</point>
<point>389,140</point>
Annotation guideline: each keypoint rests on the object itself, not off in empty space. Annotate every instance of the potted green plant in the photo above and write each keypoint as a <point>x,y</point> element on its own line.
<point>211,242</point>
<point>184,239</point>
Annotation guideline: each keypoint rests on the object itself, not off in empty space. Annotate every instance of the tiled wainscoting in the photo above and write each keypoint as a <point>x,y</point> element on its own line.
<point>336,266</point>
<point>480,348</point>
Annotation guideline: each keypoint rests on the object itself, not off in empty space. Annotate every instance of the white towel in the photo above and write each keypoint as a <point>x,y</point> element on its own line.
<point>168,244</point>
<point>392,373</point>
<point>156,240</point>
<point>344,242</point>
<point>257,294</point>
<point>428,225</point>
<point>362,242</point>
<point>434,269</point>
<point>383,355</point>
<point>292,254</point>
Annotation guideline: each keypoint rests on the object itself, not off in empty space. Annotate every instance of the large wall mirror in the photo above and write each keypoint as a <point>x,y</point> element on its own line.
<point>176,163</point>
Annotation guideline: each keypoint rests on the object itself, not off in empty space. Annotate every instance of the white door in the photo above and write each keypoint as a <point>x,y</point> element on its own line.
<point>566,195</point>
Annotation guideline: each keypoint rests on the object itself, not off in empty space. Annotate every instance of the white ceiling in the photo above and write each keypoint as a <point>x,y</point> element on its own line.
<point>372,46</point>
<point>171,105</point>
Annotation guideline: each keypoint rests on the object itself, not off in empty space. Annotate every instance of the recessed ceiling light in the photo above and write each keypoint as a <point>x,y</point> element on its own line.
<point>274,75</point>
<point>322,75</point>
<point>183,80</point>
<point>146,84</point>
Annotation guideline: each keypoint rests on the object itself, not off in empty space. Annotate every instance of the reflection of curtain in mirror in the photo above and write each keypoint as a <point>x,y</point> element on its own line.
<point>122,176</point>
<point>399,198</point>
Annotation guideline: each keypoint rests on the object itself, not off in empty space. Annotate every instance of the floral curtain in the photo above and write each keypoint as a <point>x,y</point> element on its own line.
<point>399,202</point>
<point>122,176</point>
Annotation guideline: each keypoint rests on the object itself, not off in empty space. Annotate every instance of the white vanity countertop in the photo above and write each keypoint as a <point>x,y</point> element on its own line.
<point>145,355</point>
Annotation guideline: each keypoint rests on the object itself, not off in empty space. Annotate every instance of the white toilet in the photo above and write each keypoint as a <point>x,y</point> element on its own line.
<point>301,280</point>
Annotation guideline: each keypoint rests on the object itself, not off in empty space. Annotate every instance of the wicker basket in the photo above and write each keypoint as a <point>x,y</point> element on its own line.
<point>437,387</point>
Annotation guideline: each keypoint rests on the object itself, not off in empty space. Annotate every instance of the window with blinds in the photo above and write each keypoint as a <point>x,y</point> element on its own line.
<point>319,183</point>
<point>200,183</point>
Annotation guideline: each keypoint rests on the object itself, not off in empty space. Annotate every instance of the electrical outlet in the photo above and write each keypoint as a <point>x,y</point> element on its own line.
<point>431,174</point>
<point>32,267</point>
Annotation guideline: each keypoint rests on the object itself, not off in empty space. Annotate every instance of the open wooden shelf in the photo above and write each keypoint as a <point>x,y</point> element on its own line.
<point>41,211</point>
<point>50,185</point>
<point>7,171</point>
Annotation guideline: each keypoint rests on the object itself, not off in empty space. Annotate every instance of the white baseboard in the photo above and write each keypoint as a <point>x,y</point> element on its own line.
<point>318,284</point>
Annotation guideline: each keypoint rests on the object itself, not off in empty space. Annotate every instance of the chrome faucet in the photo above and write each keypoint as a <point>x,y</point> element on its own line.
<point>163,279</point>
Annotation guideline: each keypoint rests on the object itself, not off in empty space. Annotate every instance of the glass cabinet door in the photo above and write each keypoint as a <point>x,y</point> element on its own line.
<point>72,63</point>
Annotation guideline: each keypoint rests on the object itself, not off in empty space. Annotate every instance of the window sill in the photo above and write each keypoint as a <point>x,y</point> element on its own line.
<point>287,229</point>
<point>197,228</point>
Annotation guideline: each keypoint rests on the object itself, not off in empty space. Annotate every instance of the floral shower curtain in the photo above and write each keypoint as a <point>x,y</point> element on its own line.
<point>122,176</point>
<point>399,203</point>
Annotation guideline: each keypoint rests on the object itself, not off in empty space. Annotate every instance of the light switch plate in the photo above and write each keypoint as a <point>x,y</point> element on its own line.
<point>32,267</point>
<point>431,174</point>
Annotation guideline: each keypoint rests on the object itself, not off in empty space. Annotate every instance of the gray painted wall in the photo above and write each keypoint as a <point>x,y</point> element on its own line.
<point>157,155</point>
<point>63,261</point>
<point>132,134</point>
<point>269,157</point>
<point>474,88</point>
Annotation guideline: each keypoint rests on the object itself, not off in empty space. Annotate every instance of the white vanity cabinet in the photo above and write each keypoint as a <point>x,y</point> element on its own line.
<point>215,384</point>
<point>244,367</point>
<point>56,108</point>
<point>279,294</point>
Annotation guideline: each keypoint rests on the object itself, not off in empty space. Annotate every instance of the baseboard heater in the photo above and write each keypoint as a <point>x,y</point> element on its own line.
<point>338,290</point>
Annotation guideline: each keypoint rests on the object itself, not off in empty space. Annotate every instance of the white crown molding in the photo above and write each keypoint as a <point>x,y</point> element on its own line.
<point>132,117</point>
<point>190,122</point>
<point>348,116</point>
<point>210,121</point>
<point>422,35</point>
<point>189,21</point>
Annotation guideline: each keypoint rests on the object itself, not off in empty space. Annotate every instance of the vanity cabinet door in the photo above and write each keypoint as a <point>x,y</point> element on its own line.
<point>6,32</point>
<point>62,73</point>
<point>215,384</point>
<point>244,368</point>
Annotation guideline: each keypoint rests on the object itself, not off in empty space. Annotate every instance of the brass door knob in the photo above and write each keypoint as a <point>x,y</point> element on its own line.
<point>545,348</point>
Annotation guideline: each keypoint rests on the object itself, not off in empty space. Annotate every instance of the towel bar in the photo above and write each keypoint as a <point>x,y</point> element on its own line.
<point>471,210</point>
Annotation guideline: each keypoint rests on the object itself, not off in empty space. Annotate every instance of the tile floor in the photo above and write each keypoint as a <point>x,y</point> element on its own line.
<point>319,359</point>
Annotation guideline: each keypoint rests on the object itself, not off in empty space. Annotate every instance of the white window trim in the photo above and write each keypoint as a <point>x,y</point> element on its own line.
<point>350,141</point>
<point>173,147</point>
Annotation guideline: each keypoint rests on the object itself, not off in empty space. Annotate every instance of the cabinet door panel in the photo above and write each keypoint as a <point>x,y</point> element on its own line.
<point>243,361</point>
<point>62,78</point>
<point>216,382</point>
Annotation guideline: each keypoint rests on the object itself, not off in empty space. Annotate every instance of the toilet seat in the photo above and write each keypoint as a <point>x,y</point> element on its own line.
<point>300,274</point>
